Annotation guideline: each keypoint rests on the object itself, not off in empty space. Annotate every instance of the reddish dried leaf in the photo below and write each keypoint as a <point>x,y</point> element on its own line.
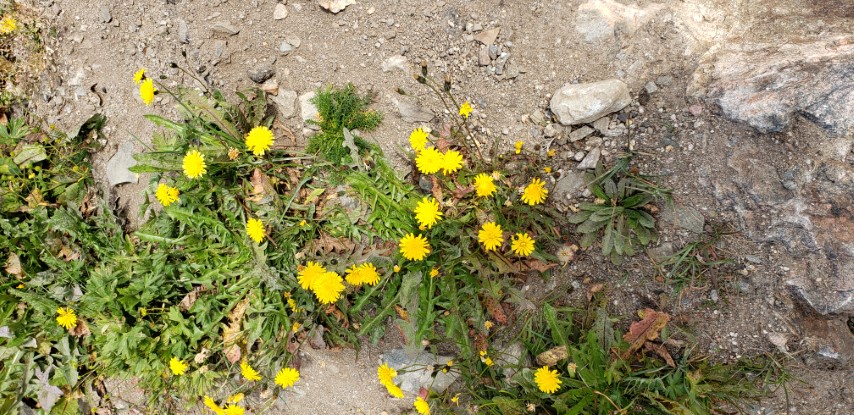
<point>642,331</point>
<point>661,351</point>
<point>80,330</point>
<point>595,288</point>
<point>231,333</point>
<point>437,188</point>
<point>537,265</point>
<point>493,307</point>
<point>462,192</point>
<point>191,298</point>
<point>326,244</point>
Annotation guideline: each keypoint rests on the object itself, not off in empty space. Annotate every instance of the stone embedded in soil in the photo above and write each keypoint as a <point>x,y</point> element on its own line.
<point>395,62</point>
<point>411,110</point>
<point>416,371</point>
<point>599,20</point>
<point>336,6</point>
<point>285,103</point>
<point>765,85</point>
<point>280,12</point>
<point>590,160</point>
<point>308,111</point>
<point>286,47</point>
<point>488,37</point>
<point>570,183</point>
<point>684,217</point>
<point>183,31</point>
<point>104,13</point>
<point>118,167</point>
<point>580,133</point>
<point>583,103</point>
<point>260,74</point>
<point>226,28</point>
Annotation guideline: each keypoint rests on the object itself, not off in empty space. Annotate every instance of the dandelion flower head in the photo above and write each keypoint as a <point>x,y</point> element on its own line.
<point>490,235</point>
<point>518,147</point>
<point>421,406</point>
<point>535,192</point>
<point>427,212</point>
<point>177,366</point>
<point>166,195</point>
<point>386,374</point>
<point>66,317</point>
<point>418,139</point>
<point>414,248</point>
<point>466,109</point>
<point>309,274</point>
<point>259,140</point>
<point>147,91</point>
<point>452,161</point>
<point>138,76</point>
<point>248,372</point>
<point>211,404</point>
<point>394,390</point>
<point>547,380</point>
<point>366,273</point>
<point>484,185</point>
<point>194,164</point>
<point>328,287</point>
<point>255,230</point>
<point>522,244</point>
<point>8,25</point>
<point>287,377</point>
<point>234,410</point>
<point>429,160</point>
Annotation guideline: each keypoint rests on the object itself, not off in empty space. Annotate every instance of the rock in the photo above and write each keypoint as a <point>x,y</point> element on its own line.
<point>590,160</point>
<point>651,87</point>
<point>664,80</point>
<point>118,166</point>
<point>336,6</point>
<point>764,85</point>
<point>308,111</point>
<point>183,31</point>
<point>599,20</point>
<point>295,41</point>
<point>571,182</point>
<point>661,252</point>
<point>105,15</point>
<point>416,371</point>
<point>493,51</point>
<point>411,110</point>
<point>602,124</point>
<point>512,357</point>
<point>488,37</point>
<point>395,62</point>
<point>583,103</point>
<point>551,130</point>
<point>226,28</point>
<point>824,301</point>
<point>280,12</point>
<point>580,133</point>
<point>286,47</point>
<point>286,103</point>
<point>261,74</point>
<point>684,217</point>
<point>483,58</point>
<point>500,62</point>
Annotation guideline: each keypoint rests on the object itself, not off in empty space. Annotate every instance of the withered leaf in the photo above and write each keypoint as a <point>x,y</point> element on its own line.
<point>191,298</point>
<point>540,266</point>
<point>231,333</point>
<point>67,254</point>
<point>81,329</point>
<point>13,265</point>
<point>326,244</point>
<point>401,312</point>
<point>437,188</point>
<point>262,189</point>
<point>552,356</point>
<point>661,351</point>
<point>595,288</point>
<point>642,331</point>
<point>202,356</point>
<point>493,307</point>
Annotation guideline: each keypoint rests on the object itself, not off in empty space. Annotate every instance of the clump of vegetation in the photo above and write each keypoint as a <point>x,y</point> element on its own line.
<point>619,215</point>
<point>696,260</point>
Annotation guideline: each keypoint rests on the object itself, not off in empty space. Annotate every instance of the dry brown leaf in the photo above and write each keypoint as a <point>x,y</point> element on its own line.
<point>191,298</point>
<point>81,329</point>
<point>595,288</point>
<point>552,356</point>
<point>642,331</point>
<point>493,307</point>
<point>201,356</point>
<point>67,254</point>
<point>13,265</point>
<point>231,333</point>
<point>401,312</point>
<point>326,244</point>
<point>89,205</point>
<point>461,192</point>
<point>540,266</point>
<point>660,350</point>
<point>262,189</point>
<point>437,188</point>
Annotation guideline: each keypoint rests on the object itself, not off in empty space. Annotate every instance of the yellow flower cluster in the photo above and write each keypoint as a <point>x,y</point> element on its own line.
<point>430,161</point>
<point>386,376</point>
<point>326,285</point>
<point>255,230</point>
<point>231,407</point>
<point>194,164</point>
<point>248,372</point>
<point>535,192</point>
<point>421,406</point>
<point>177,366</point>
<point>8,25</point>
<point>414,248</point>
<point>166,195</point>
<point>366,273</point>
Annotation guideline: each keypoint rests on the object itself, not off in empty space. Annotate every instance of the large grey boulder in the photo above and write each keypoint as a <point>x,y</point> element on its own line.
<point>584,103</point>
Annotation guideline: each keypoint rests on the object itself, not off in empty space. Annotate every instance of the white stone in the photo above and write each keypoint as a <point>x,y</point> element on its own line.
<point>583,103</point>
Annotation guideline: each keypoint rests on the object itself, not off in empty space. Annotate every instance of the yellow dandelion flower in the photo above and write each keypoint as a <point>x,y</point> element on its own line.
<point>386,374</point>
<point>522,244</point>
<point>456,399</point>
<point>414,248</point>
<point>551,153</point>
<point>8,25</point>
<point>519,147</point>
<point>147,91</point>
<point>308,274</point>
<point>429,160</point>
<point>194,164</point>
<point>328,287</point>
<point>452,161</point>
<point>259,140</point>
<point>166,195</point>
<point>66,318</point>
<point>295,328</point>
<point>427,212</point>
<point>235,398</point>
<point>421,406</point>
<point>255,230</point>
<point>248,372</point>
<point>353,275</point>
<point>490,235</point>
<point>535,192</point>
<point>484,185</point>
<point>418,139</point>
<point>547,169</point>
<point>138,76</point>
<point>396,268</point>
<point>287,377</point>
<point>466,109</point>
<point>369,274</point>
<point>488,361</point>
<point>234,410</point>
<point>547,380</point>
<point>211,404</point>
<point>394,390</point>
<point>487,324</point>
<point>434,273</point>
<point>178,367</point>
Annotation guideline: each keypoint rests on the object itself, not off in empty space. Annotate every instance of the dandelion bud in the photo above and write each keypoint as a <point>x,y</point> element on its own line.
<point>447,86</point>
<point>424,67</point>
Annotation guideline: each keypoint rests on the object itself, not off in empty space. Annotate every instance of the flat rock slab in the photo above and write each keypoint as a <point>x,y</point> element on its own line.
<point>285,103</point>
<point>411,110</point>
<point>764,85</point>
<point>684,217</point>
<point>415,371</point>
<point>308,111</point>
<point>575,104</point>
<point>118,167</point>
